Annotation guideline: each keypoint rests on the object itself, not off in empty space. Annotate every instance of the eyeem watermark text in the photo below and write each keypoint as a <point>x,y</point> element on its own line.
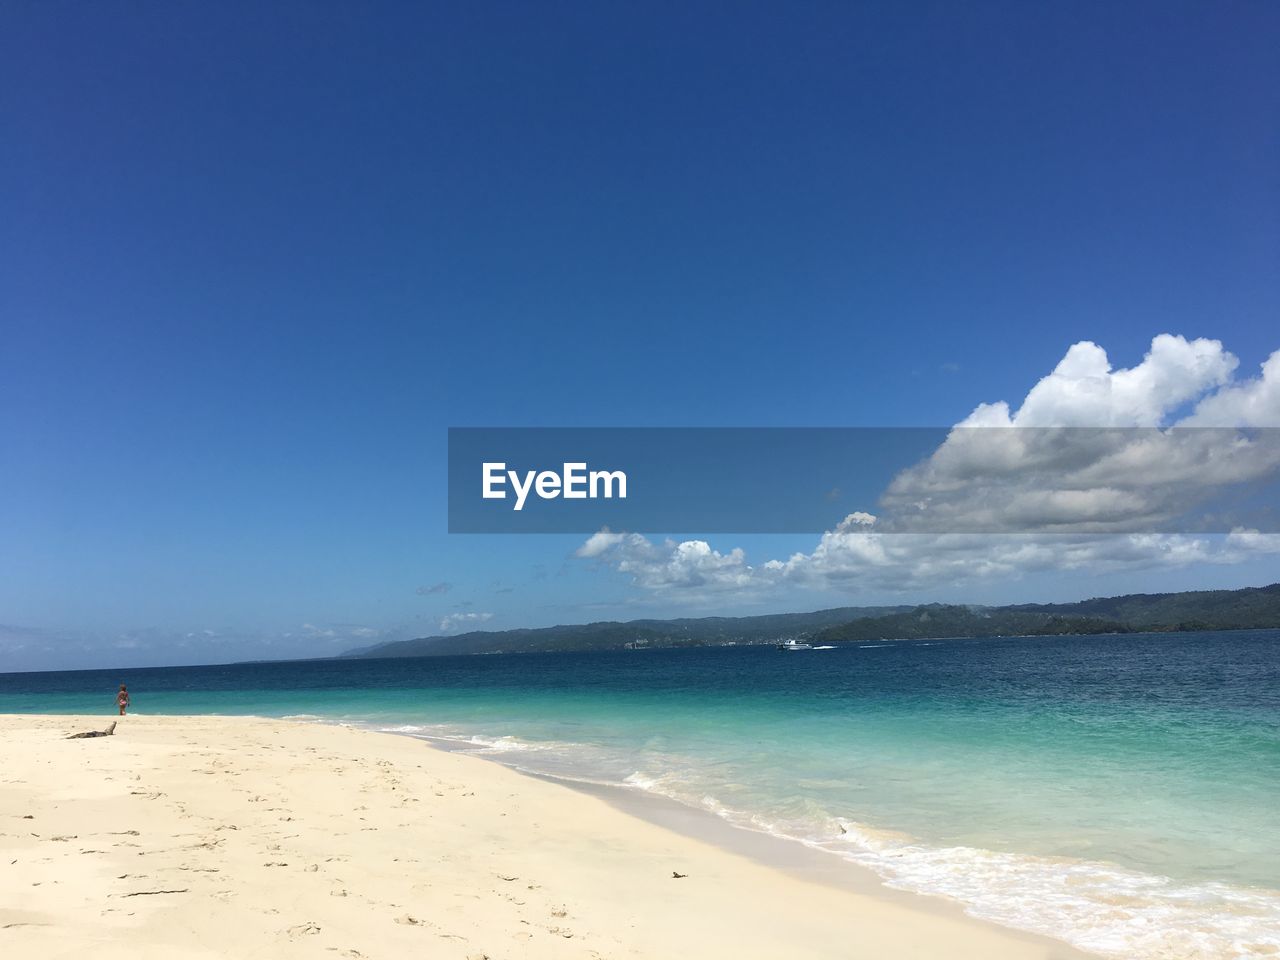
<point>574,482</point>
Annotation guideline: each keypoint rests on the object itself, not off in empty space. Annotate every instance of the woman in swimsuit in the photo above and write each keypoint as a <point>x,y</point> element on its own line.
<point>122,699</point>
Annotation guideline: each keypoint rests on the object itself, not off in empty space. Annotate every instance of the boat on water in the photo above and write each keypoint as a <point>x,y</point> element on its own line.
<point>794,644</point>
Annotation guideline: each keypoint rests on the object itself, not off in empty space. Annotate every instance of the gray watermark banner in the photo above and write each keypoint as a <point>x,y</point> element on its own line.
<point>934,480</point>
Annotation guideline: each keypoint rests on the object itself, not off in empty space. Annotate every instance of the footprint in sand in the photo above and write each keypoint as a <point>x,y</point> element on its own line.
<point>304,930</point>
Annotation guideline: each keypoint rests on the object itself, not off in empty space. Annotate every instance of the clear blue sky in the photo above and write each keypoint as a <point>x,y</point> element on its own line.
<point>256,258</point>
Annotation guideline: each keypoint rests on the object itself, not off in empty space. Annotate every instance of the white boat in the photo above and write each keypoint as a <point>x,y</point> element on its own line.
<point>794,645</point>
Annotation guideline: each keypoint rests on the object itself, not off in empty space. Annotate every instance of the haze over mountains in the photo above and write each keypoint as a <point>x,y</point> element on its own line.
<point>1249,608</point>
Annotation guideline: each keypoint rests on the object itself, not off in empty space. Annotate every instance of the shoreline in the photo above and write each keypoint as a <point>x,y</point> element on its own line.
<point>292,834</point>
<point>770,850</point>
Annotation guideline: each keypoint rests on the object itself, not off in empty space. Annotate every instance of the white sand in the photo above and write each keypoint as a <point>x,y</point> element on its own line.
<point>234,837</point>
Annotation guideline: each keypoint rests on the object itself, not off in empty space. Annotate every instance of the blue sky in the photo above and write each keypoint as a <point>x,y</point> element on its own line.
<point>258,258</point>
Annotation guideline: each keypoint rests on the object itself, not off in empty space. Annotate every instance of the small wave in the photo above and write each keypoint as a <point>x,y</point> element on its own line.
<point>1096,906</point>
<point>642,782</point>
<point>509,745</point>
<point>871,646</point>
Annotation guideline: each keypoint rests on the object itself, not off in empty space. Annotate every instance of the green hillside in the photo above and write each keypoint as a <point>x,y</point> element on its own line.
<point>1250,608</point>
<point>615,635</point>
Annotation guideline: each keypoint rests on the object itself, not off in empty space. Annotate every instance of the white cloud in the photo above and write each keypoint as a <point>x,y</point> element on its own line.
<point>601,542</point>
<point>1242,544</point>
<point>1098,450</point>
<point>1074,480</point>
<point>670,565</point>
<point>1253,403</point>
<point>847,560</point>
<point>857,520</point>
<point>1084,391</point>
<point>1003,502</point>
<point>453,620</point>
<point>907,561</point>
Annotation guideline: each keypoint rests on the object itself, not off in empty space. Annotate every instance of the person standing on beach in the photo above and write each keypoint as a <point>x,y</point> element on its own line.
<point>122,699</point>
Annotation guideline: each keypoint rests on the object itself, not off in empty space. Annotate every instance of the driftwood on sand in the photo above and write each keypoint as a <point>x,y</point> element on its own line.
<point>93,733</point>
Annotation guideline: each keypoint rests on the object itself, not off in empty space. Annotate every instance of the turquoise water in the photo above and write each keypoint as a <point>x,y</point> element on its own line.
<point>1116,792</point>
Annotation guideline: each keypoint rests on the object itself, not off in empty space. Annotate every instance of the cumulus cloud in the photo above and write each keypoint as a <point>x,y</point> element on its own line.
<point>1242,544</point>
<point>1084,474</point>
<point>850,559</point>
<point>1098,449</point>
<point>907,561</point>
<point>454,620</point>
<point>603,542</point>
<point>1077,479</point>
<point>1084,391</point>
<point>1253,403</point>
<point>688,563</point>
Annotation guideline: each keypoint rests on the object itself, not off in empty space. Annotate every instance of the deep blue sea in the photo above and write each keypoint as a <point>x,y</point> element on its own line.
<point>1118,792</point>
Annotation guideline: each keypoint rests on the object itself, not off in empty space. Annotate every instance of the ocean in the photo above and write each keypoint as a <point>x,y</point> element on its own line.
<point>1117,792</point>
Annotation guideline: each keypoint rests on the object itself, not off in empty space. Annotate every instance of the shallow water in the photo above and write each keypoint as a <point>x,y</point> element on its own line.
<point>1117,792</point>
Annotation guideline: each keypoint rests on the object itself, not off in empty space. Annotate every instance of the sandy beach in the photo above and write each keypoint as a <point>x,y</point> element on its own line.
<point>240,837</point>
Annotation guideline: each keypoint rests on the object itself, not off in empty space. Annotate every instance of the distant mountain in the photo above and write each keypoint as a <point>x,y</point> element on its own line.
<point>1194,610</point>
<point>614,635</point>
<point>938,620</point>
<point>1250,608</point>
